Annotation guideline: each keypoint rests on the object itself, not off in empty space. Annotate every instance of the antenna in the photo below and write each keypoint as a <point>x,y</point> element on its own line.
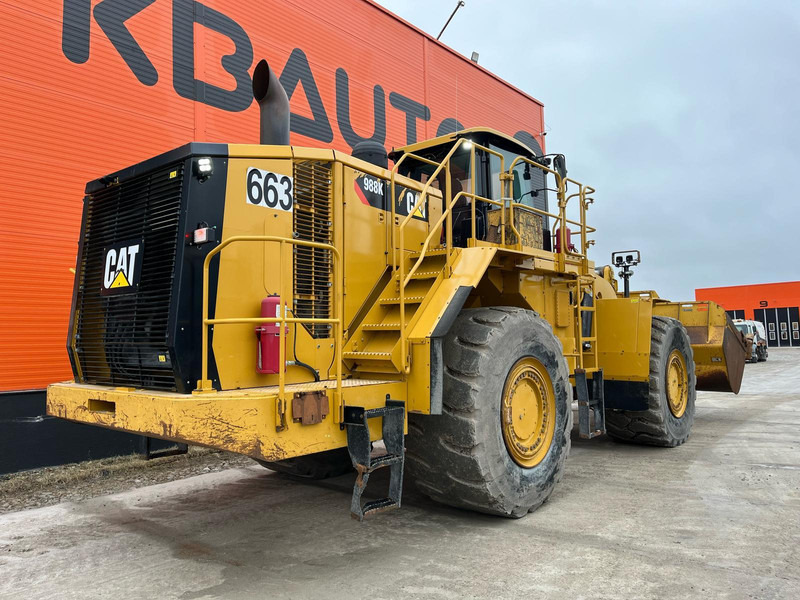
<point>455,10</point>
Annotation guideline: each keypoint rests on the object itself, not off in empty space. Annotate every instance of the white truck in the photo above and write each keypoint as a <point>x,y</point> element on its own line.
<point>756,337</point>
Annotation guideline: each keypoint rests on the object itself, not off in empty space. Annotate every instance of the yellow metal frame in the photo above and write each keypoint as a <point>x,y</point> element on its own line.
<point>204,385</point>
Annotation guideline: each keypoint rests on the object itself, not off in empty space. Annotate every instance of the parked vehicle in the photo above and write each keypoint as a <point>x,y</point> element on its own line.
<point>756,337</point>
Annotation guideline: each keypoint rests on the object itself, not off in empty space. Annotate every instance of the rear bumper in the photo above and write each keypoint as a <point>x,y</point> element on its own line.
<point>241,421</point>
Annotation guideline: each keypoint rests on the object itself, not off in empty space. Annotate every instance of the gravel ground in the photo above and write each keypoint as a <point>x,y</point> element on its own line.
<point>81,481</point>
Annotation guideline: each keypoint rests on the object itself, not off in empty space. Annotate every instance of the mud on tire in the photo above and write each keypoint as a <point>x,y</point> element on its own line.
<point>460,457</point>
<point>657,426</point>
<point>313,466</point>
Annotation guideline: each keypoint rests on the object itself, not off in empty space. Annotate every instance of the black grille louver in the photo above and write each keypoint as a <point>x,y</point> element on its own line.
<point>123,339</point>
<point>313,266</point>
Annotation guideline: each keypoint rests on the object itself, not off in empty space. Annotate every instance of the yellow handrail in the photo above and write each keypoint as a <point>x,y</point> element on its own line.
<point>445,215</point>
<point>205,385</point>
<point>422,202</point>
<point>563,201</point>
<point>506,202</point>
<point>392,200</point>
<point>473,179</point>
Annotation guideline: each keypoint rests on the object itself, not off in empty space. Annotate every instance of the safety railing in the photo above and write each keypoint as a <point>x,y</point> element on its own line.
<point>507,205</point>
<point>584,196</point>
<point>205,385</point>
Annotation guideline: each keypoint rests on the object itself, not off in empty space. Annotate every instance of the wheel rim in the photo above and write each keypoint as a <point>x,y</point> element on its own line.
<point>528,412</point>
<point>677,383</point>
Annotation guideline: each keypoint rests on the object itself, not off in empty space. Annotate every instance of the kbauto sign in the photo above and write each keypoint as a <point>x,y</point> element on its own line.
<point>89,87</point>
<point>111,16</point>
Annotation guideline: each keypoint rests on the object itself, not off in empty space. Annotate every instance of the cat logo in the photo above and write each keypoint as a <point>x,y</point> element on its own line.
<point>121,268</point>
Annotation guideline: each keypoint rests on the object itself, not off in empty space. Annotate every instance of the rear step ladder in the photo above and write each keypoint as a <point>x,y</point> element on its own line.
<point>591,410</point>
<point>358,444</point>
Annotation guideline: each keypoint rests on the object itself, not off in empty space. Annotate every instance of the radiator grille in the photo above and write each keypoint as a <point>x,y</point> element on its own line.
<point>122,339</point>
<point>313,266</point>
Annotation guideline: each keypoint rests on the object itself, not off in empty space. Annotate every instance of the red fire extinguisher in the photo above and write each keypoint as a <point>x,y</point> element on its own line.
<point>269,338</point>
<point>568,237</point>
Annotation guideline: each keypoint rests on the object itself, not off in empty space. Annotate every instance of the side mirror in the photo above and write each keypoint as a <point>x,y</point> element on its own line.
<point>560,165</point>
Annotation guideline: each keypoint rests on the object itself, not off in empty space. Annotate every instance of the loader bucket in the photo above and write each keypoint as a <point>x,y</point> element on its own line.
<point>720,349</point>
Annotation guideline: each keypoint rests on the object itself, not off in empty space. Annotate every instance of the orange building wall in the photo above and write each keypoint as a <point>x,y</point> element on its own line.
<point>73,110</point>
<point>751,297</point>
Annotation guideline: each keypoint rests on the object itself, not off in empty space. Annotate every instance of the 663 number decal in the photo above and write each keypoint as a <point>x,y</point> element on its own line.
<point>270,190</point>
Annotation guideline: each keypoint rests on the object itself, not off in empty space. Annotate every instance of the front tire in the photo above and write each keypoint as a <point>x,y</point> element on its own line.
<point>500,444</point>
<point>671,400</point>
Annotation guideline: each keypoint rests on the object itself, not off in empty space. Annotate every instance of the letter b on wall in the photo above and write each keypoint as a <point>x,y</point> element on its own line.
<point>185,13</point>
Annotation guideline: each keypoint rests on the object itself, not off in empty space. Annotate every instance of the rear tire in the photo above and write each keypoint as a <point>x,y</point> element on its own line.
<point>505,383</point>
<point>659,425</point>
<point>762,354</point>
<point>313,466</point>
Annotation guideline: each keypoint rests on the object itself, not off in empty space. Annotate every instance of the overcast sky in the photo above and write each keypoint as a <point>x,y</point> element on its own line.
<point>683,115</point>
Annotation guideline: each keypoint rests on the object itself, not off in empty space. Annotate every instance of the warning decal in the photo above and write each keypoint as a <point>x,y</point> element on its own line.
<point>121,268</point>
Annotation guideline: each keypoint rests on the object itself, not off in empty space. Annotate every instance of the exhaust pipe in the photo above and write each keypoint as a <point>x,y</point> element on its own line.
<point>273,104</point>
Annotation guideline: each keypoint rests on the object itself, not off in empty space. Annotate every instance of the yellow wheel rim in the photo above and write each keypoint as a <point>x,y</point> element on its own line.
<point>677,383</point>
<point>528,412</point>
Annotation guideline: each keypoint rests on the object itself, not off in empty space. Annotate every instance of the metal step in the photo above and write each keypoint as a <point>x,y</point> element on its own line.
<point>421,275</point>
<point>434,252</point>
<point>383,460</point>
<point>368,355</point>
<point>591,410</point>
<point>376,506</point>
<point>381,326</point>
<point>356,419</point>
<point>408,300</point>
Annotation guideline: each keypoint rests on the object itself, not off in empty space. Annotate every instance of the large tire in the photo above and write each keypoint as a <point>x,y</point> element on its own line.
<point>658,425</point>
<point>314,466</point>
<point>461,457</point>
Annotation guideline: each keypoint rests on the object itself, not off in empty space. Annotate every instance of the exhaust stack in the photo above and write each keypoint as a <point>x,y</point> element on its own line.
<point>273,104</point>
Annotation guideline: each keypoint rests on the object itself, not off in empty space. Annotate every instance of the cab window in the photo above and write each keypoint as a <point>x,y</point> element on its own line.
<point>460,177</point>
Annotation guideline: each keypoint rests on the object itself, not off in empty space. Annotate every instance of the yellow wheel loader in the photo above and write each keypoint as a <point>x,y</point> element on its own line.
<point>297,305</point>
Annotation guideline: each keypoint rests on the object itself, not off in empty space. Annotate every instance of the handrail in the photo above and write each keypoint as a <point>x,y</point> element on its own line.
<point>438,224</point>
<point>537,211</point>
<point>505,203</point>
<point>205,385</point>
<point>422,202</point>
<point>473,179</point>
<point>563,201</point>
<point>392,200</point>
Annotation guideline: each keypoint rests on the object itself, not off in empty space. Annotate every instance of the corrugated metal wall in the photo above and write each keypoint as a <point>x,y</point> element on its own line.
<point>89,87</point>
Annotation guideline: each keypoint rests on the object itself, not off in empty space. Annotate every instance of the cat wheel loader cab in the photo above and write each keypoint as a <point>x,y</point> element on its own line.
<point>298,304</point>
